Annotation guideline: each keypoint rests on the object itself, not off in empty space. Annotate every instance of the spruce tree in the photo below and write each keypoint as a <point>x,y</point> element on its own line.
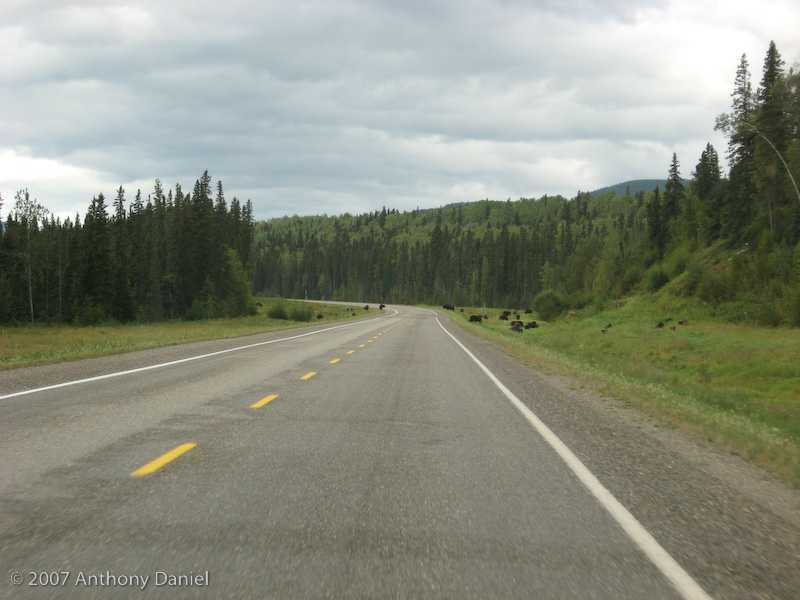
<point>96,275</point>
<point>655,223</point>
<point>706,186</point>
<point>673,192</point>
<point>736,214</point>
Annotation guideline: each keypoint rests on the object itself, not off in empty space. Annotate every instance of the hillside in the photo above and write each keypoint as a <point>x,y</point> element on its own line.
<point>635,186</point>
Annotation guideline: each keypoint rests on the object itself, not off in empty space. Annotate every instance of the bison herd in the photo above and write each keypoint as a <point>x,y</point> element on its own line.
<point>516,325</point>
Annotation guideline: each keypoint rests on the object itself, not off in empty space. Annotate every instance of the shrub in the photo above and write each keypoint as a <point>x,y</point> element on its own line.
<point>767,314</point>
<point>794,307</point>
<point>712,288</point>
<point>677,262</point>
<point>92,315</point>
<point>278,311</point>
<point>301,312</point>
<point>548,304</point>
<point>694,277</point>
<point>578,300</point>
<point>631,278</point>
<point>655,278</point>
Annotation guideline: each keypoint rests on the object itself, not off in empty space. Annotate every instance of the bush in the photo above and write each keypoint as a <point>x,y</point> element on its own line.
<point>578,300</point>
<point>712,288</point>
<point>695,273</point>
<point>631,278</point>
<point>92,315</point>
<point>677,262</point>
<point>278,311</point>
<point>301,312</point>
<point>548,304</point>
<point>655,278</point>
<point>768,315</point>
<point>794,307</point>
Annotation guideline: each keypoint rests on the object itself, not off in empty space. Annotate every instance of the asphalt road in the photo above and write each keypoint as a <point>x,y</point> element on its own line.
<point>395,457</point>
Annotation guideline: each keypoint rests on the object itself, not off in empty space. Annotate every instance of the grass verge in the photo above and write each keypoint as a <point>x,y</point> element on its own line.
<point>33,345</point>
<point>736,386</point>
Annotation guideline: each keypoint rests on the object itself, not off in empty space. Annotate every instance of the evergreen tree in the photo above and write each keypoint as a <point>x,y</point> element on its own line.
<point>29,214</point>
<point>706,182</point>
<point>673,192</point>
<point>736,214</point>
<point>655,223</point>
<point>122,297</point>
<point>96,281</point>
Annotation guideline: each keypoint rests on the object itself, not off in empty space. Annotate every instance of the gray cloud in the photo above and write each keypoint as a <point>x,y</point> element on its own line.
<point>314,106</point>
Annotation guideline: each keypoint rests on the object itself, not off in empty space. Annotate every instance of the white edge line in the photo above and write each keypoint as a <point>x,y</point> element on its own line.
<point>676,575</point>
<point>184,360</point>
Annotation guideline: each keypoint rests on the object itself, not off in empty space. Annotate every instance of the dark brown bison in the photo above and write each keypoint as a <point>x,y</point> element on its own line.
<point>449,307</point>
<point>475,318</point>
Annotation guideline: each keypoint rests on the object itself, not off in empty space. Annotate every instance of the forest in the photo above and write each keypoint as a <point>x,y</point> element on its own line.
<point>733,241</point>
<point>175,255</point>
<point>729,240</point>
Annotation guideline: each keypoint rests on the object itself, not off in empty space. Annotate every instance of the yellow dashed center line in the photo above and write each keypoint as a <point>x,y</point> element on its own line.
<point>362,345</point>
<point>261,403</point>
<point>309,375</point>
<point>335,360</point>
<point>161,461</point>
<point>351,351</point>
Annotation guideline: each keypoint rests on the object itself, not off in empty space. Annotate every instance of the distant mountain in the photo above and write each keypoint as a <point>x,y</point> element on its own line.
<point>636,185</point>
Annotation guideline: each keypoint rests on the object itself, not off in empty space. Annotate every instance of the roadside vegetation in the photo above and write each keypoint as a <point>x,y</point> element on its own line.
<point>734,385</point>
<point>31,345</point>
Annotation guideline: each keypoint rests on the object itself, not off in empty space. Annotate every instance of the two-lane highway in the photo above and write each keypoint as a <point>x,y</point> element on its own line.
<point>377,459</point>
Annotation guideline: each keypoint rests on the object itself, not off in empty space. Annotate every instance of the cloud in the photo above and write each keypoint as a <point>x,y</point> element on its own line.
<point>314,106</point>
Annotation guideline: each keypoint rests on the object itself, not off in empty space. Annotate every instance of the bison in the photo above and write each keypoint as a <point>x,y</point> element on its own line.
<point>449,307</point>
<point>475,318</point>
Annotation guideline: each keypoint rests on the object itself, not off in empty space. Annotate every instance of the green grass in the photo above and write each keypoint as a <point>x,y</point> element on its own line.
<point>737,386</point>
<point>33,345</point>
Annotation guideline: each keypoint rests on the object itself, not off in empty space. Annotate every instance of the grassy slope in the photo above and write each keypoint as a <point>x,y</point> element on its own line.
<point>38,345</point>
<point>737,386</point>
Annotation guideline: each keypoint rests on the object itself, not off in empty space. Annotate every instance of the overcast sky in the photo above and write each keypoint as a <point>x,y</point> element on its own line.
<point>332,106</point>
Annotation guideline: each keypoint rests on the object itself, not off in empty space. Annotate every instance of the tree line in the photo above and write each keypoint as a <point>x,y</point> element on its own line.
<point>734,237</point>
<point>173,255</point>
